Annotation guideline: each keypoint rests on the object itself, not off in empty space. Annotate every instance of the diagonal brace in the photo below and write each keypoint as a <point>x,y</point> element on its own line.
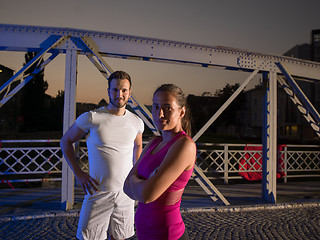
<point>297,90</point>
<point>6,87</point>
<point>92,52</point>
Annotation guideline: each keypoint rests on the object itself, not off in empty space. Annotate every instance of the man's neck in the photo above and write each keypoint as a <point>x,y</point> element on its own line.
<point>116,111</point>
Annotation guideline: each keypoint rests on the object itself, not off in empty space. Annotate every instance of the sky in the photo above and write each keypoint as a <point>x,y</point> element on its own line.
<point>271,27</point>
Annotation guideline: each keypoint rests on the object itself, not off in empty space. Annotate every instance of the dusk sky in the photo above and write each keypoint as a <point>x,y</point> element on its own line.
<point>271,27</point>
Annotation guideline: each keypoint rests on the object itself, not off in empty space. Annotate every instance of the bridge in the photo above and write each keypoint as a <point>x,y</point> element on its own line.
<point>97,45</point>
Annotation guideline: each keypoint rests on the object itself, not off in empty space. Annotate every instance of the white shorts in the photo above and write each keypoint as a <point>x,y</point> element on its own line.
<point>102,208</point>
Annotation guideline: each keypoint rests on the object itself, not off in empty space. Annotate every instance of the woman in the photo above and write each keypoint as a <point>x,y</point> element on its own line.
<point>163,170</point>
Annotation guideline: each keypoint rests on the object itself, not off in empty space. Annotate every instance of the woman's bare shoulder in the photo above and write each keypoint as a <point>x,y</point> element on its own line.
<point>187,140</point>
<point>185,143</point>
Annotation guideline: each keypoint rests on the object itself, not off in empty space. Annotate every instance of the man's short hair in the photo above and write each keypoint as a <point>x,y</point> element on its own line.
<point>119,75</point>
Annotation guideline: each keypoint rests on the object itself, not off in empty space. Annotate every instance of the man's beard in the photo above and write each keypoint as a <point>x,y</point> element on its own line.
<point>117,104</point>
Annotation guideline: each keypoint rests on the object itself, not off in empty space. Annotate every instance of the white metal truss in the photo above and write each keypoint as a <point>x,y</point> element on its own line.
<point>299,105</point>
<point>9,89</point>
<point>149,49</point>
<point>269,139</point>
<point>225,105</point>
<point>144,113</point>
<point>304,105</point>
<point>93,54</point>
<point>69,114</point>
<point>96,45</point>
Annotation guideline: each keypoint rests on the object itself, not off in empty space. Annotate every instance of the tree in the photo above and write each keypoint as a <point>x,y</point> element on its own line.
<point>226,92</point>
<point>206,94</point>
<point>33,98</point>
<point>102,102</point>
<point>54,113</point>
<point>229,116</point>
<point>203,107</point>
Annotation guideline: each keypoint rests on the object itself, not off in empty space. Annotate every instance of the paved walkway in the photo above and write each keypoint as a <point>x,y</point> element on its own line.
<point>34,213</point>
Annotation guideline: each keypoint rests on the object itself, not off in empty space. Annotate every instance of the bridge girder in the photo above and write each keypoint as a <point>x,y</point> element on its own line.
<point>99,44</point>
<point>31,38</point>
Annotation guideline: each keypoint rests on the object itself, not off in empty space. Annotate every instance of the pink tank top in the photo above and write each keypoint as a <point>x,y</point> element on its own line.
<point>157,220</point>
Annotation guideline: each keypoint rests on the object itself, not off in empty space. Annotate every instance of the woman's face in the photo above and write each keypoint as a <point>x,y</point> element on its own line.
<point>166,112</point>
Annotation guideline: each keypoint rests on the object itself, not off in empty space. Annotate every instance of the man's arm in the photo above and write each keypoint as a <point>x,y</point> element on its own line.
<point>137,149</point>
<point>73,134</point>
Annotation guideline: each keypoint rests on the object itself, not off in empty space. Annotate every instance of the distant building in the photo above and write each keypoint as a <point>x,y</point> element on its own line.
<point>291,125</point>
<point>307,51</point>
<point>311,89</point>
<point>315,45</point>
<point>247,119</point>
<point>315,56</point>
<point>202,108</point>
<point>205,106</point>
<point>300,51</point>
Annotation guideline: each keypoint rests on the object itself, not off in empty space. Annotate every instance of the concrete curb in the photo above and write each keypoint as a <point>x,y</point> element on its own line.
<point>71,213</point>
<point>75,213</point>
<point>253,207</point>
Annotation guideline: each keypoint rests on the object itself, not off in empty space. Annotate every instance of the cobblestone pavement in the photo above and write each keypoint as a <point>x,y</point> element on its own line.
<point>298,221</point>
<point>288,223</point>
<point>35,213</point>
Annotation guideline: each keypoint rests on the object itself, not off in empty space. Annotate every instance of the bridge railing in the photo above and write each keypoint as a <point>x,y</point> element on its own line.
<point>237,161</point>
<point>41,160</point>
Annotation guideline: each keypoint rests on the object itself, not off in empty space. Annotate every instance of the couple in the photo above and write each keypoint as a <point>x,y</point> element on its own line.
<point>157,179</point>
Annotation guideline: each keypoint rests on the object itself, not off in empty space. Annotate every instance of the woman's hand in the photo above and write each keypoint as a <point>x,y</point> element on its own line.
<point>180,157</point>
<point>137,184</point>
<point>154,172</point>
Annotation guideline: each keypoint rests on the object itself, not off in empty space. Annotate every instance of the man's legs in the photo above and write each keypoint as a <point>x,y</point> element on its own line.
<point>111,237</point>
<point>122,218</point>
<point>95,216</point>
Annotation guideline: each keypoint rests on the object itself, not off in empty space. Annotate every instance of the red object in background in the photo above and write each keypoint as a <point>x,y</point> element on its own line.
<point>252,160</point>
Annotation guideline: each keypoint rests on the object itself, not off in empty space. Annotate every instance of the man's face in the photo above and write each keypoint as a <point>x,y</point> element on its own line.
<point>119,92</point>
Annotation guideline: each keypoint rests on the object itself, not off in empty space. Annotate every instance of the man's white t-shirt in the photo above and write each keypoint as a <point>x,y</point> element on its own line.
<point>110,145</point>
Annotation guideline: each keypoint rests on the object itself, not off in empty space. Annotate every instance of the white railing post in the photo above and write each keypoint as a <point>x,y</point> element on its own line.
<point>285,163</point>
<point>226,164</point>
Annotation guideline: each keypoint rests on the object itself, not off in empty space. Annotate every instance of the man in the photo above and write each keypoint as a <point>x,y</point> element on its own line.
<point>114,142</point>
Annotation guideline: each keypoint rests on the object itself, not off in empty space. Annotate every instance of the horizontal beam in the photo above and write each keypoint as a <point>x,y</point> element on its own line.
<point>29,38</point>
